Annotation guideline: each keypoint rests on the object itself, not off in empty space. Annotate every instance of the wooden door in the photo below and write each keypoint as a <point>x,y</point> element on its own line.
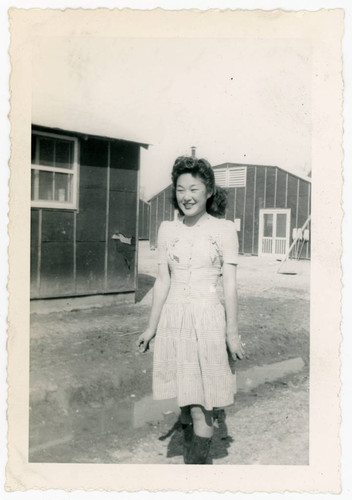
<point>274,232</point>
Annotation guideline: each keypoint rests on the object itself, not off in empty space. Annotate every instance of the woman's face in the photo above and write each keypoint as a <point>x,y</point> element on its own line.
<point>191,195</point>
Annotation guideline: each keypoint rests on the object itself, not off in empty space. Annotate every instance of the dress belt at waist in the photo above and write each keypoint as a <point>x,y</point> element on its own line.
<point>192,295</point>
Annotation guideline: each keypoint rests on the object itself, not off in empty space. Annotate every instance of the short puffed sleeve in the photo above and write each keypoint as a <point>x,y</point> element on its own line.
<point>229,243</point>
<point>162,237</point>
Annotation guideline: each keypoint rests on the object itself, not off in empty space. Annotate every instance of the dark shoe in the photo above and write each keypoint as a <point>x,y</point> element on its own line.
<point>187,440</point>
<point>199,450</point>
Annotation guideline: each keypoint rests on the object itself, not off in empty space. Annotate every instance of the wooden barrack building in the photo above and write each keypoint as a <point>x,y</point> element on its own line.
<point>269,206</point>
<point>84,213</point>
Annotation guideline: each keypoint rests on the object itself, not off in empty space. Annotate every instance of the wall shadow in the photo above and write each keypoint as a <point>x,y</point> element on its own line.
<point>144,284</point>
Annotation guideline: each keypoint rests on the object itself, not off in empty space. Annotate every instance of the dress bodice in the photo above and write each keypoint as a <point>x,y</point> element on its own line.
<point>195,256</point>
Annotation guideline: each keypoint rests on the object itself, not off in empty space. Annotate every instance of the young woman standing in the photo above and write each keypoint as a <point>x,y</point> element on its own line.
<point>194,331</point>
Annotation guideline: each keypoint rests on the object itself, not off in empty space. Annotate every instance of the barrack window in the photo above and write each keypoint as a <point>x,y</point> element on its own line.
<point>54,171</point>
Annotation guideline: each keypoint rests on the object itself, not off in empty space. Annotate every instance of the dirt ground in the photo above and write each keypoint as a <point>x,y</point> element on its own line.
<point>90,390</point>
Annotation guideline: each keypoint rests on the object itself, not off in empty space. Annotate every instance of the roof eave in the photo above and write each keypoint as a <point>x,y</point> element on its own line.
<point>85,135</point>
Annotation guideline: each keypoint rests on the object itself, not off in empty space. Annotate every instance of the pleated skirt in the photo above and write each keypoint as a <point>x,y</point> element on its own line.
<point>191,361</point>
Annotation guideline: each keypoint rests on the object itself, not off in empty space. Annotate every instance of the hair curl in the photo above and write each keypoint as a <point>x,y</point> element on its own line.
<point>216,203</point>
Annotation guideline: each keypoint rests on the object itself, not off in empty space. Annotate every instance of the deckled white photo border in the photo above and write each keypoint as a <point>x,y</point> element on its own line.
<point>325,30</point>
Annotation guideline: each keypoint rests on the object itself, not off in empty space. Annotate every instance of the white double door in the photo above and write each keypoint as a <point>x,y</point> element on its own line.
<point>274,232</point>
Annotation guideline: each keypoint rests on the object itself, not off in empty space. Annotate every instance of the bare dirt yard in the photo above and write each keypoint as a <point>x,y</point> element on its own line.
<point>90,390</point>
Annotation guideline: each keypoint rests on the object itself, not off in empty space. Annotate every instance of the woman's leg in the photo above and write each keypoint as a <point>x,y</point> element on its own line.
<point>203,432</point>
<point>187,428</point>
<point>202,421</point>
<point>186,415</point>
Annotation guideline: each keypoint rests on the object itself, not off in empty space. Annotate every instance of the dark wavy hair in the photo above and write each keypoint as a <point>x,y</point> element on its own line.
<point>216,203</point>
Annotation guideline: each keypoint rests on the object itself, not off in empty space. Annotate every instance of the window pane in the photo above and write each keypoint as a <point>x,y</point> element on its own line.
<point>64,154</point>
<point>46,152</point>
<point>63,191</point>
<point>268,225</point>
<point>281,225</point>
<point>45,185</point>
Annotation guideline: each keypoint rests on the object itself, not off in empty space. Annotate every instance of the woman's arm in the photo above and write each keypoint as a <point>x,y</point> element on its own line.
<point>233,340</point>
<point>160,292</point>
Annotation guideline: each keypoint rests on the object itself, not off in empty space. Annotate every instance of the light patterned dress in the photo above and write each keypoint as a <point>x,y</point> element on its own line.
<point>190,355</point>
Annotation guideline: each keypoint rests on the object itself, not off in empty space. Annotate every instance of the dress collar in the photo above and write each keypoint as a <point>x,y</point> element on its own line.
<point>205,217</point>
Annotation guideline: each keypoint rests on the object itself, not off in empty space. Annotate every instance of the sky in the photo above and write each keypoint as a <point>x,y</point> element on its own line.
<point>236,100</point>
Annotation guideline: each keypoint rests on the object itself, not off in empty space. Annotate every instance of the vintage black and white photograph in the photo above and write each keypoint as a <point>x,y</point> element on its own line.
<point>112,119</point>
<point>171,237</point>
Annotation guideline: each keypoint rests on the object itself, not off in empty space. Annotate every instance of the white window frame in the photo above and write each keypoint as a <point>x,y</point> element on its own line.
<point>48,168</point>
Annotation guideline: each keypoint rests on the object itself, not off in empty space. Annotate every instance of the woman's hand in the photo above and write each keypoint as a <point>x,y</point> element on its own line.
<point>144,339</point>
<point>235,346</point>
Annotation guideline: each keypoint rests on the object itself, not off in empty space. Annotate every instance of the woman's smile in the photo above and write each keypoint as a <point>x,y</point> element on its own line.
<point>188,205</point>
<point>192,195</point>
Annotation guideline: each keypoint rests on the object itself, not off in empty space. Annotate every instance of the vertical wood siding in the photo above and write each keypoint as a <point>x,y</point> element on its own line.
<point>168,210</point>
<point>56,269</point>
<point>280,189</point>
<point>122,216</point>
<point>121,256</point>
<point>303,212</point>
<point>239,212</point>
<point>303,203</point>
<point>249,212</point>
<point>91,217</point>
<point>266,187</point>
<point>292,185</point>
<point>153,228</point>
<point>230,209</point>
<point>259,198</point>
<point>144,220</point>
<point>270,187</point>
<point>161,208</point>
<point>73,252</point>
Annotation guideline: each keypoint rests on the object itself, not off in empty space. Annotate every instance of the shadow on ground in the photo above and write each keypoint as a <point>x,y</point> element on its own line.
<point>145,283</point>
<point>220,443</point>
